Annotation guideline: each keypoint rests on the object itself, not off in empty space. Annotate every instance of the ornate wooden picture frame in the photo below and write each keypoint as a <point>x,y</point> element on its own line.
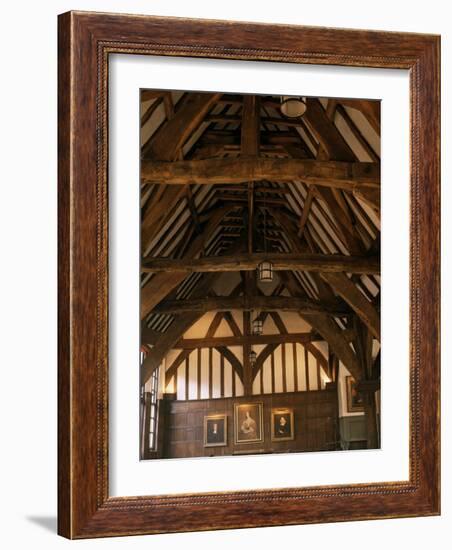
<point>215,430</point>
<point>282,425</point>
<point>248,423</point>
<point>85,508</point>
<point>352,404</point>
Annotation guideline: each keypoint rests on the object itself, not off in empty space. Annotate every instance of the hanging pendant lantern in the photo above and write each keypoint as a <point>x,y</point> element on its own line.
<point>293,106</point>
<point>253,358</point>
<point>265,268</point>
<point>258,326</point>
<point>265,272</point>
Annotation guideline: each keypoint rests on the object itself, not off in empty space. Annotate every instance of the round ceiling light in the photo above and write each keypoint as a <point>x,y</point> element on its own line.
<point>293,106</point>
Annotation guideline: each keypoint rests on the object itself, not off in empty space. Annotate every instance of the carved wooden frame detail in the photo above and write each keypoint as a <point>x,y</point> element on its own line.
<point>85,42</point>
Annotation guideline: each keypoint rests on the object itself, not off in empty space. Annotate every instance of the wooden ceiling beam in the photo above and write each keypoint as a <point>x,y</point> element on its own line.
<point>175,331</point>
<point>181,324</point>
<point>172,369</point>
<point>257,189</point>
<point>326,133</point>
<point>371,197</point>
<point>161,284</point>
<point>165,343</point>
<point>229,318</point>
<point>212,342</point>
<point>333,147</point>
<point>370,109</point>
<point>250,132</point>
<point>216,321</point>
<point>358,134</point>
<point>149,335</point>
<point>147,95</point>
<point>158,212</point>
<point>324,291</point>
<point>306,210</point>
<point>226,303</point>
<point>192,207</point>
<point>171,136</point>
<point>343,223</point>
<point>329,330</point>
<point>349,292</point>
<point>319,356</point>
<point>339,344</point>
<point>281,262</point>
<point>269,348</point>
<point>165,145</point>
<point>350,176</point>
<point>150,111</point>
<point>235,363</point>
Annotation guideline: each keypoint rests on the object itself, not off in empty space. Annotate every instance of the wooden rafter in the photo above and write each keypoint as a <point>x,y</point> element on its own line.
<point>325,292</point>
<point>333,182</point>
<point>348,291</point>
<point>284,338</point>
<point>326,133</point>
<point>306,210</point>
<point>281,262</point>
<point>350,176</point>
<point>165,145</point>
<point>214,325</point>
<point>330,331</point>
<point>229,318</point>
<point>179,326</point>
<point>246,303</point>
<point>321,359</point>
<point>172,369</point>
<point>249,146</point>
<point>161,284</point>
<point>171,136</point>
<point>262,357</point>
<point>370,109</point>
<point>235,363</point>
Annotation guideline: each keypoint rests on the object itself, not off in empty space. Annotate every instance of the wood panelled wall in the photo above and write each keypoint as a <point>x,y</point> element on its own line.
<point>315,421</point>
<point>205,373</point>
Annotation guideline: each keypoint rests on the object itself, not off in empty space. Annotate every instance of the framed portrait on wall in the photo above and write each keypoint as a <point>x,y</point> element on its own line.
<point>354,398</point>
<point>248,423</point>
<point>225,225</point>
<point>282,425</point>
<point>215,430</point>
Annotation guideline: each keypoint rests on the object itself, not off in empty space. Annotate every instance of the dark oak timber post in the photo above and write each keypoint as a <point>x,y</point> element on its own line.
<point>250,147</point>
<point>146,424</point>
<point>247,367</point>
<point>367,387</point>
<point>371,420</point>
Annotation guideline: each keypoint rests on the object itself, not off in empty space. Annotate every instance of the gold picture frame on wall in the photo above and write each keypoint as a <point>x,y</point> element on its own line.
<point>354,398</point>
<point>282,425</point>
<point>216,430</point>
<point>248,423</point>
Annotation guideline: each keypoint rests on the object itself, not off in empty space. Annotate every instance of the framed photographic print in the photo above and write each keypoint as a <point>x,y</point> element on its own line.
<point>282,423</point>
<point>354,398</point>
<point>215,430</point>
<point>248,217</point>
<point>248,423</point>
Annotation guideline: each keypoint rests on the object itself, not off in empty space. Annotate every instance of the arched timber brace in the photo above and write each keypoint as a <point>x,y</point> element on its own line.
<point>184,358</point>
<point>299,362</point>
<point>162,283</point>
<point>292,361</point>
<point>345,288</point>
<point>330,331</point>
<point>235,363</point>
